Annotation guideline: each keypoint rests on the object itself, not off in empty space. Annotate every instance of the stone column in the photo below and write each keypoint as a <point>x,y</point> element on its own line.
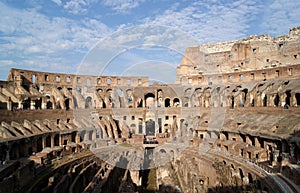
<point>86,136</point>
<point>20,105</point>
<point>9,104</point>
<point>44,103</point>
<point>52,141</point>
<point>43,142</point>
<point>77,138</point>
<point>94,135</point>
<point>32,105</point>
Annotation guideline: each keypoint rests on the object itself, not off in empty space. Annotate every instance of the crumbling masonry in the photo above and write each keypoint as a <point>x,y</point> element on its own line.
<point>236,104</point>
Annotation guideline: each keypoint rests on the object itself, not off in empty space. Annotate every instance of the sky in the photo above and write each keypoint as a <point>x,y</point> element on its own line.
<point>128,37</point>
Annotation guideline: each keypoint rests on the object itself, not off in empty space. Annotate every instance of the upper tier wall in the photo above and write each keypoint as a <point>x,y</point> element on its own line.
<point>35,77</point>
<point>248,54</point>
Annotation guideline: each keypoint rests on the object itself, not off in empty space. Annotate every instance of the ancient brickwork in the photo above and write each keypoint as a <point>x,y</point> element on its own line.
<point>236,99</point>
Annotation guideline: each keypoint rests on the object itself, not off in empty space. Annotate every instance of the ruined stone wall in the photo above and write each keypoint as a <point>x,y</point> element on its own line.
<point>241,56</point>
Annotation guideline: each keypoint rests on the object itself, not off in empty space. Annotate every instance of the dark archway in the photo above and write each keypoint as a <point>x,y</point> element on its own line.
<point>176,102</point>
<point>167,102</point>
<point>39,144</point>
<point>26,104</point>
<point>288,98</point>
<point>265,100</point>
<point>276,100</point>
<point>48,141</point>
<point>38,103</point>
<point>56,140</point>
<point>67,104</point>
<point>149,99</point>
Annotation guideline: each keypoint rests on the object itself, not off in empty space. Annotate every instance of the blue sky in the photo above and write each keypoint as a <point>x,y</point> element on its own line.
<point>63,36</point>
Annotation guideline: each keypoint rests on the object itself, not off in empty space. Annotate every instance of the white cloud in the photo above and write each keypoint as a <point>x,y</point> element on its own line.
<point>210,22</point>
<point>58,2</point>
<point>77,6</point>
<point>32,36</point>
<point>122,5</point>
<point>280,15</point>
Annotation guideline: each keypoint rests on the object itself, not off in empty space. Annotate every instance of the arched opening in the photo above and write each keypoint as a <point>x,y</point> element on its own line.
<point>150,99</point>
<point>176,102</point>
<point>288,98</point>
<point>276,100</point>
<point>39,144</point>
<point>49,104</point>
<point>150,127</point>
<point>245,92</point>
<point>250,178</point>
<point>232,102</point>
<point>73,137</point>
<point>185,101</point>
<point>265,100</point>
<point>56,140</point>
<point>88,102</point>
<point>67,104</point>
<point>26,103</point>
<point>241,173</point>
<point>167,102</point>
<point>103,105</point>
<point>48,141</point>
<point>38,103</point>
<point>140,103</point>
<point>297,96</point>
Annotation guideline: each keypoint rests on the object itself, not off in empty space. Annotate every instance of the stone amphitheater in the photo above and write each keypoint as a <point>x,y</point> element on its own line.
<point>229,123</point>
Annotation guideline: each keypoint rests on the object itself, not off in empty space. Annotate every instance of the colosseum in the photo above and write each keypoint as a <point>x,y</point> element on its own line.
<point>229,123</point>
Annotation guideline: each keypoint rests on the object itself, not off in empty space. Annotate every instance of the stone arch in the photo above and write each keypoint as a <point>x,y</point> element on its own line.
<point>241,173</point>
<point>186,101</point>
<point>188,92</point>
<point>250,178</point>
<point>265,101</point>
<point>149,99</point>
<point>244,96</point>
<point>49,104</point>
<point>176,102</point>
<point>26,103</point>
<point>67,103</point>
<point>159,98</point>
<point>276,100</point>
<point>196,97</point>
<point>88,102</point>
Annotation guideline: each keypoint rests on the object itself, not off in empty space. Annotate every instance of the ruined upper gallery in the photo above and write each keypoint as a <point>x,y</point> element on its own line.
<point>240,59</point>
